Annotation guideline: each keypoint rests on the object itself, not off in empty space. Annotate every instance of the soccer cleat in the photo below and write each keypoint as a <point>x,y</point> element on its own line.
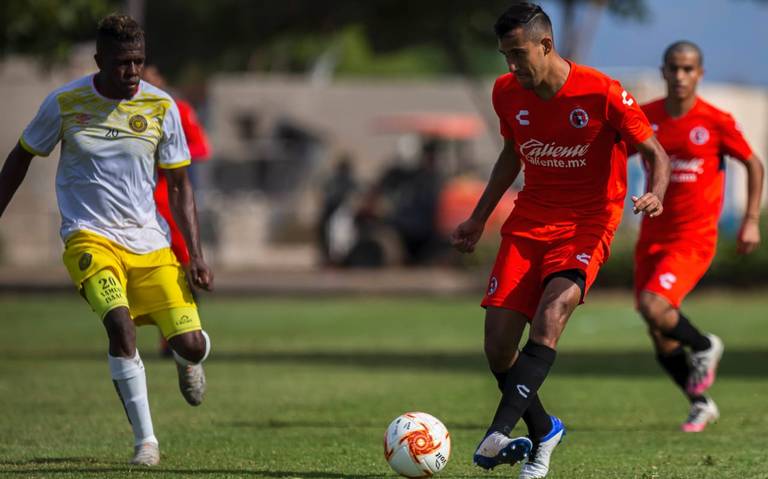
<point>537,465</point>
<point>192,382</point>
<point>702,413</point>
<point>496,448</point>
<point>146,454</point>
<point>704,366</point>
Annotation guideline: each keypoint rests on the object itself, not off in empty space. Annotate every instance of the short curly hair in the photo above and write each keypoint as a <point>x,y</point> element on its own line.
<point>116,28</point>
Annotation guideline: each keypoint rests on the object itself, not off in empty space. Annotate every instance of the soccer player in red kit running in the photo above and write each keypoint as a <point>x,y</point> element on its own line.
<point>569,125</point>
<point>674,251</point>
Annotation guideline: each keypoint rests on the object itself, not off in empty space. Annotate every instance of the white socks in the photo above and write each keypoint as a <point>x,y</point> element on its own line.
<point>131,384</point>
<point>186,362</point>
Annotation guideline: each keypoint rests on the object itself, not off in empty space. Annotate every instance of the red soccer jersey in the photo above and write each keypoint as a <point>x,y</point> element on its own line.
<point>696,143</point>
<point>574,159</point>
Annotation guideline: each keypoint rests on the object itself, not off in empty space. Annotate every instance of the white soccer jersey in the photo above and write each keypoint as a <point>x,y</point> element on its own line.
<point>109,151</point>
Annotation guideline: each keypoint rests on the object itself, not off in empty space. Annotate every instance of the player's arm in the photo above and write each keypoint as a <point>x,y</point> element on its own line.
<point>507,167</point>
<point>181,200</point>
<point>13,173</point>
<point>657,161</point>
<point>749,233</point>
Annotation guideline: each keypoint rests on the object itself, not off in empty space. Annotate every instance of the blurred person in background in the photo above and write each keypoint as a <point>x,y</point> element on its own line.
<point>199,151</point>
<point>675,250</point>
<point>338,188</point>
<point>115,129</point>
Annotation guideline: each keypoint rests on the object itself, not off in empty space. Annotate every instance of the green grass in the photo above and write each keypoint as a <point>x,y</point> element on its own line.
<point>305,388</point>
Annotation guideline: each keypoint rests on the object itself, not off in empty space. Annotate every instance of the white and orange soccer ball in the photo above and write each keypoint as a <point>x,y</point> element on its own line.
<point>417,444</point>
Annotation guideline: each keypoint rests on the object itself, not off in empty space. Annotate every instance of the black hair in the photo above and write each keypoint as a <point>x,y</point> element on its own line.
<point>681,46</point>
<point>530,16</point>
<point>120,29</point>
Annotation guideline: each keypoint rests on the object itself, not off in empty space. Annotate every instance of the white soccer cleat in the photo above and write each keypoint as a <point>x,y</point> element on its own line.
<point>702,413</point>
<point>704,366</point>
<point>146,454</point>
<point>191,382</point>
<point>496,448</point>
<point>537,465</point>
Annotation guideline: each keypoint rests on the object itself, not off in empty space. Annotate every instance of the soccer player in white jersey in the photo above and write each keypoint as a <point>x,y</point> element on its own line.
<point>114,130</point>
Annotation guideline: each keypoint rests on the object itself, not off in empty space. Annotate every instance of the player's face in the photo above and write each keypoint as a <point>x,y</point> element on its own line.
<point>524,58</point>
<point>121,66</point>
<point>682,72</point>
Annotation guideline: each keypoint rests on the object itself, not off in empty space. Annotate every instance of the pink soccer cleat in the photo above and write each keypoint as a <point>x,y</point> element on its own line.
<point>704,367</point>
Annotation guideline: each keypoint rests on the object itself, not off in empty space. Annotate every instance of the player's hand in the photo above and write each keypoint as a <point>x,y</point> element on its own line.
<point>649,204</point>
<point>201,274</point>
<point>749,236</point>
<point>466,235</point>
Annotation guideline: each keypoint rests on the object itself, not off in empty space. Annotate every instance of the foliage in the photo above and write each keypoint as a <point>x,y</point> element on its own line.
<point>49,28</point>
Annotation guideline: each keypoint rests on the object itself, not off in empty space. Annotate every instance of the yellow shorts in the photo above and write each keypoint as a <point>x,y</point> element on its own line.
<point>155,285</point>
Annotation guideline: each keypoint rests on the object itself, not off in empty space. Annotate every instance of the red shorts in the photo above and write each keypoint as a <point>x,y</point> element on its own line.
<point>531,252</point>
<point>670,270</point>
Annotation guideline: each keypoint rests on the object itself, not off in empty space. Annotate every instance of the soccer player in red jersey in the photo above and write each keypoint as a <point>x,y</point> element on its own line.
<point>675,250</point>
<point>568,126</point>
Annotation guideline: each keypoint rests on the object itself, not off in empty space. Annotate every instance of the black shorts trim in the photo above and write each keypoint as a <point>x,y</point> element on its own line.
<point>575,275</point>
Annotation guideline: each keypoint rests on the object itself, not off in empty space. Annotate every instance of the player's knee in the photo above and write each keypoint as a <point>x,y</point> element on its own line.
<point>500,356</point>
<point>192,347</point>
<point>121,332</point>
<point>652,309</point>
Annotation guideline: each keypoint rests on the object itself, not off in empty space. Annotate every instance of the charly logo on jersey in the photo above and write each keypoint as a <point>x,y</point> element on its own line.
<point>699,135</point>
<point>578,118</point>
<point>583,258</point>
<point>493,285</point>
<point>522,118</point>
<point>666,280</point>
<point>138,123</point>
<point>551,154</point>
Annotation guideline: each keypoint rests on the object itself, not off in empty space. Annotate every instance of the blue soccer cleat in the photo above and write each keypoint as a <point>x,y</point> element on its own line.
<point>537,465</point>
<point>496,448</point>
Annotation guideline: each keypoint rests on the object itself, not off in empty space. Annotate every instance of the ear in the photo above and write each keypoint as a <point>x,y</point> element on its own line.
<point>97,59</point>
<point>548,45</point>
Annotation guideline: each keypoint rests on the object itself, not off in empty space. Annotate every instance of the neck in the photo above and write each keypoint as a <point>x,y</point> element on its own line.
<point>104,89</point>
<point>554,79</point>
<point>677,107</point>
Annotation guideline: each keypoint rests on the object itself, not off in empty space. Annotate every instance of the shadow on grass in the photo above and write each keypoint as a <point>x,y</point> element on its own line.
<point>85,465</point>
<point>749,363</point>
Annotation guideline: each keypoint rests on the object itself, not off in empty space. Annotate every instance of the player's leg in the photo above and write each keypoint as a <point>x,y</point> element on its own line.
<point>190,350</point>
<point>560,297</point>
<point>105,294</point>
<point>503,330</point>
<point>557,304</point>
<point>706,349</point>
<point>160,294</point>
<point>95,267</point>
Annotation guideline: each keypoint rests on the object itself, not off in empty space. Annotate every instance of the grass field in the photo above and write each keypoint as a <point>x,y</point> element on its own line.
<point>305,388</point>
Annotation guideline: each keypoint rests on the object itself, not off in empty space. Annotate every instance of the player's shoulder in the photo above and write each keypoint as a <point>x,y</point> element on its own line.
<point>716,114</point>
<point>587,78</point>
<point>506,83</point>
<point>653,107</point>
<point>150,91</point>
<point>79,85</point>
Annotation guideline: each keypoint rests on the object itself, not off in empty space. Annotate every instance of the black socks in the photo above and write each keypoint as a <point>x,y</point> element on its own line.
<point>523,381</point>
<point>687,334</point>
<point>676,365</point>
<point>535,417</point>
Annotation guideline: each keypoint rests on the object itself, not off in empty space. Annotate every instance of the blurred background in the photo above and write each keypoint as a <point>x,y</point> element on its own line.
<point>346,139</point>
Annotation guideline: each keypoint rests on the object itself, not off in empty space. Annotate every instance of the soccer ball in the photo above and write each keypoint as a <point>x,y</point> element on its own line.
<point>417,444</point>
